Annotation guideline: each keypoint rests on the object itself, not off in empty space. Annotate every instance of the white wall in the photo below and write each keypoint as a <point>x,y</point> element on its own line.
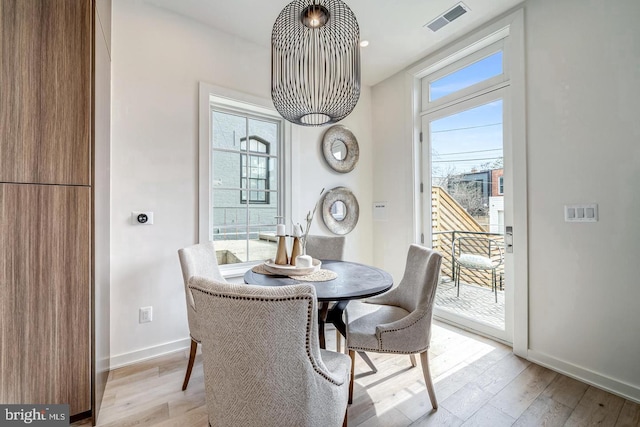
<point>583,139</point>
<point>158,60</point>
<point>311,174</point>
<point>393,178</point>
<point>583,86</point>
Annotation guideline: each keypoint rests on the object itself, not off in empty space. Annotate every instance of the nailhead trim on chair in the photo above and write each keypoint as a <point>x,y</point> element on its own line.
<point>376,350</point>
<point>399,329</point>
<point>310,301</point>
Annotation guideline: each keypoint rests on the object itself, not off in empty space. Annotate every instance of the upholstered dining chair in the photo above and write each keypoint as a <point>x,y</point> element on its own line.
<point>262,362</point>
<point>326,247</point>
<point>197,260</point>
<point>399,321</point>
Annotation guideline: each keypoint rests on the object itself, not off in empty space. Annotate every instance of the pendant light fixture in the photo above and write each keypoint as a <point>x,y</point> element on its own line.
<point>315,62</point>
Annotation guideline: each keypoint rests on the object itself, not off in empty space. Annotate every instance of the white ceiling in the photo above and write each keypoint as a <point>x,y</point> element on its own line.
<point>394,28</point>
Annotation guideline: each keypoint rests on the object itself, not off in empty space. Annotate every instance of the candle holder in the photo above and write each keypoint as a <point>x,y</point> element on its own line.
<point>281,254</point>
<point>295,250</point>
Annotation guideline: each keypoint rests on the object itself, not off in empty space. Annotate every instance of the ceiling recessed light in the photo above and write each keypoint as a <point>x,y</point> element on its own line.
<point>364,43</point>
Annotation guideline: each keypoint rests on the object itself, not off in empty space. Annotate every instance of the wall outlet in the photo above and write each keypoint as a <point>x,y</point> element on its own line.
<point>146,314</point>
<point>142,218</point>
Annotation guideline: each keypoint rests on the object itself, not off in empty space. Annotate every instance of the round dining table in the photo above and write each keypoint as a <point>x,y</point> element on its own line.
<point>353,281</point>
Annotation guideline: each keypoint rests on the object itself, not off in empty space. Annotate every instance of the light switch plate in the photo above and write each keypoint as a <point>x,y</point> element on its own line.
<point>586,212</point>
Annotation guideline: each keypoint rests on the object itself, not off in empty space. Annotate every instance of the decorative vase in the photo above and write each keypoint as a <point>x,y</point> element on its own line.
<point>295,250</point>
<point>281,254</point>
<point>304,260</point>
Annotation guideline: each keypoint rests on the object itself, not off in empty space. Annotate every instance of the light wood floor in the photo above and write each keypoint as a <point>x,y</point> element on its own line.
<point>478,383</point>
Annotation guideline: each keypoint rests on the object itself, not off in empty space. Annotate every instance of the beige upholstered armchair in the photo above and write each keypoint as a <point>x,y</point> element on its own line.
<point>197,260</point>
<point>326,247</point>
<point>263,365</point>
<point>399,321</point>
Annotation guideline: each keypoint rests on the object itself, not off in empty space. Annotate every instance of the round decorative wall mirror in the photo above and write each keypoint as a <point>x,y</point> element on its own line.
<point>340,210</point>
<point>340,149</point>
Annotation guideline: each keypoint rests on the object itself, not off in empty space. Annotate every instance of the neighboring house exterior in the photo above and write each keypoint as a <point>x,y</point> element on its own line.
<point>497,182</point>
<point>231,172</point>
<point>489,182</point>
<point>496,214</point>
<point>489,185</point>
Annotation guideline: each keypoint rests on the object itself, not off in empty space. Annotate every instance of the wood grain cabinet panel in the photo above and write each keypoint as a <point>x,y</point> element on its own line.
<point>45,303</point>
<point>45,91</point>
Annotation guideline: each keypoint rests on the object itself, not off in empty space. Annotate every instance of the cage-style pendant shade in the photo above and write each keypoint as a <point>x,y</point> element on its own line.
<point>315,62</point>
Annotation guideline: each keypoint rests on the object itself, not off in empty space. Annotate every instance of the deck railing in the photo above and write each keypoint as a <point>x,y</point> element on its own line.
<point>231,222</point>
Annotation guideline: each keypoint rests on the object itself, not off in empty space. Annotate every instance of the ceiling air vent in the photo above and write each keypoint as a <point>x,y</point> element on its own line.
<point>449,16</point>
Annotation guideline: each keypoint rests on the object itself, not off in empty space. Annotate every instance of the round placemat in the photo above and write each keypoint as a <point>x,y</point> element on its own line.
<point>318,276</point>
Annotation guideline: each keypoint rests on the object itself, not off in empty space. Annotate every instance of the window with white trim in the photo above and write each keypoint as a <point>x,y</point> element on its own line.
<point>241,179</point>
<point>466,76</point>
<point>470,111</point>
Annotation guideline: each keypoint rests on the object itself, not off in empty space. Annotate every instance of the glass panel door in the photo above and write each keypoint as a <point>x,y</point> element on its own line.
<point>464,159</point>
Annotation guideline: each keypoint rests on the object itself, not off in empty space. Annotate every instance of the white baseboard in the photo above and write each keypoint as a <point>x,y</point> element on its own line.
<point>612,385</point>
<point>126,359</point>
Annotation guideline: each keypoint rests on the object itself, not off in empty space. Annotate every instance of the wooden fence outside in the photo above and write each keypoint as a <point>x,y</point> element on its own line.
<point>449,221</point>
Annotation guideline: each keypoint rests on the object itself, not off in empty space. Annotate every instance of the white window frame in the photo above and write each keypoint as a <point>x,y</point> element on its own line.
<point>510,29</point>
<point>500,185</point>
<point>235,101</point>
<point>469,59</point>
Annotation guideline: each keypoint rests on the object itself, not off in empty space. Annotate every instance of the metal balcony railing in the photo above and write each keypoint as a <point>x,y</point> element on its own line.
<point>442,241</point>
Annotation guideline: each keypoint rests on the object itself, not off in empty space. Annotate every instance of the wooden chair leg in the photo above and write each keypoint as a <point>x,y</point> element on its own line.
<point>338,341</point>
<point>413,360</point>
<point>192,358</point>
<point>344,422</point>
<point>424,360</point>
<point>352,355</point>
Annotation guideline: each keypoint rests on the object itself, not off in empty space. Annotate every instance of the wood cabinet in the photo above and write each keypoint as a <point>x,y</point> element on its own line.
<point>46,204</point>
<point>45,272</point>
<point>45,87</point>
